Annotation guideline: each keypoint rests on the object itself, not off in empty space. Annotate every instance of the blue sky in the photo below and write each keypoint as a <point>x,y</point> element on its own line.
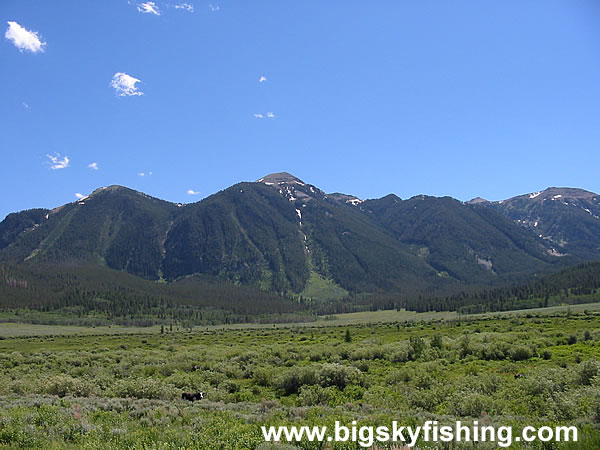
<point>464,98</point>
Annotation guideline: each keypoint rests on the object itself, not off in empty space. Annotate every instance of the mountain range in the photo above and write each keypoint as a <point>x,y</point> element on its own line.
<point>289,237</point>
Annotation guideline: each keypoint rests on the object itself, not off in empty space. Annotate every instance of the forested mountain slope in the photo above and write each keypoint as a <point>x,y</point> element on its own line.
<point>286,236</point>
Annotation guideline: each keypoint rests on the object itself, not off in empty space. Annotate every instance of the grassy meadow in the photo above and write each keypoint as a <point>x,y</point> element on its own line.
<point>123,390</point>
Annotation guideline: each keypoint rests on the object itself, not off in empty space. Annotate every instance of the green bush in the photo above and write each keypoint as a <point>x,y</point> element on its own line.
<point>326,375</point>
<point>417,345</point>
<point>469,404</point>
<point>494,352</point>
<point>262,376</point>
<point>293,379</point>
<point>62,385</point>
<point>370,353</point>
<point>520,353</point>
<point>588,371</point>
<point>362,365</point>
<point>145,388</point>
<point>437,342</point>
<point>338,375</point>
<point>400,353</point>
<point>314,395</point>
<point>231,386</point>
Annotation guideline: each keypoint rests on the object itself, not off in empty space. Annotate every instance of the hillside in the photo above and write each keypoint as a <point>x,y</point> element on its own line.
<point>567,219</point>
<point>288,237</point>
<point>90,294</point>
<point>117,227</point>
<point>467,243</point>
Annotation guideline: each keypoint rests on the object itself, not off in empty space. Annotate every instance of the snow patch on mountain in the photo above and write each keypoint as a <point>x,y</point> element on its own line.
<point>355,201</point>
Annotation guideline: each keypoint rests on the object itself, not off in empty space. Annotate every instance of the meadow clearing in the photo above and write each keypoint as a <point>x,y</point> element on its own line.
<point>123,390</point>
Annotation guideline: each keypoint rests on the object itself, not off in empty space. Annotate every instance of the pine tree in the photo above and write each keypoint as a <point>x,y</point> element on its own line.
<point>348,337</point>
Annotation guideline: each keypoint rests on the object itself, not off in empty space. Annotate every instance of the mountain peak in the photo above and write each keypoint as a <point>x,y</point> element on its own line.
<point>476,200</point>
<point>111,188</point>
<point>280,177</point>
<point>554,193</point>
<point>570,192</point>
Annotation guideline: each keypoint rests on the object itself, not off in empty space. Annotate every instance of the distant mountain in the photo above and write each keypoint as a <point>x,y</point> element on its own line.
<point>468,243</point>
<point>281,233</point>
<point>567,219</point>
<point>476,201</point>
<point>114,226</point>
<point>289,237</point>
<point>248,233</point>
<point>16,223</point>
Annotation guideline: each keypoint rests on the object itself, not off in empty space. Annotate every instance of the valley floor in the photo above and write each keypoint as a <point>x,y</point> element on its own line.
<point>16,329</point>
<point>116,389</point>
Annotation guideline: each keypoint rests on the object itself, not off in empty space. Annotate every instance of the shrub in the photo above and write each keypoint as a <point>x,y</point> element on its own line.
<point>362,365</point>
<point>314,395</point>
<point>465,346</point>
<point>538,385</point>
<point>370,352</point>
<point>315,356</point>
<point>293,379</point>
<point>596,408</point>
<point>398,377</point>
<point>354,392</point>
<point>436,342</point>
<point>493,352</point>
<point>423,379</point>
<point>231,386</point>
<point>185,381</point>
<point>588,371</point>
<point>520,353</point>
<point>338,375</point>
<point>469,404</point>
<point>417,345</point>
<point>145,388</point>
<point>400,353</point>
<point>262,376</point>
<point>213,378</point>
<point>426,399</point>
<point>62,385</point>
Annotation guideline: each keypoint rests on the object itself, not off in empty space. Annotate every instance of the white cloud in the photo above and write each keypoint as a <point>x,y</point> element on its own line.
<point>192,192</point>
<point>23,38</point>
<point>185,6</point>
<point>79,196</point>
<point>148,8</point>
<point>268,115</point>
<point>94,166</point>
<point>214,8</point>
<point>125,85</point>
<point>143,174</point>
<point>262,79</point>
<point>58,162</point>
